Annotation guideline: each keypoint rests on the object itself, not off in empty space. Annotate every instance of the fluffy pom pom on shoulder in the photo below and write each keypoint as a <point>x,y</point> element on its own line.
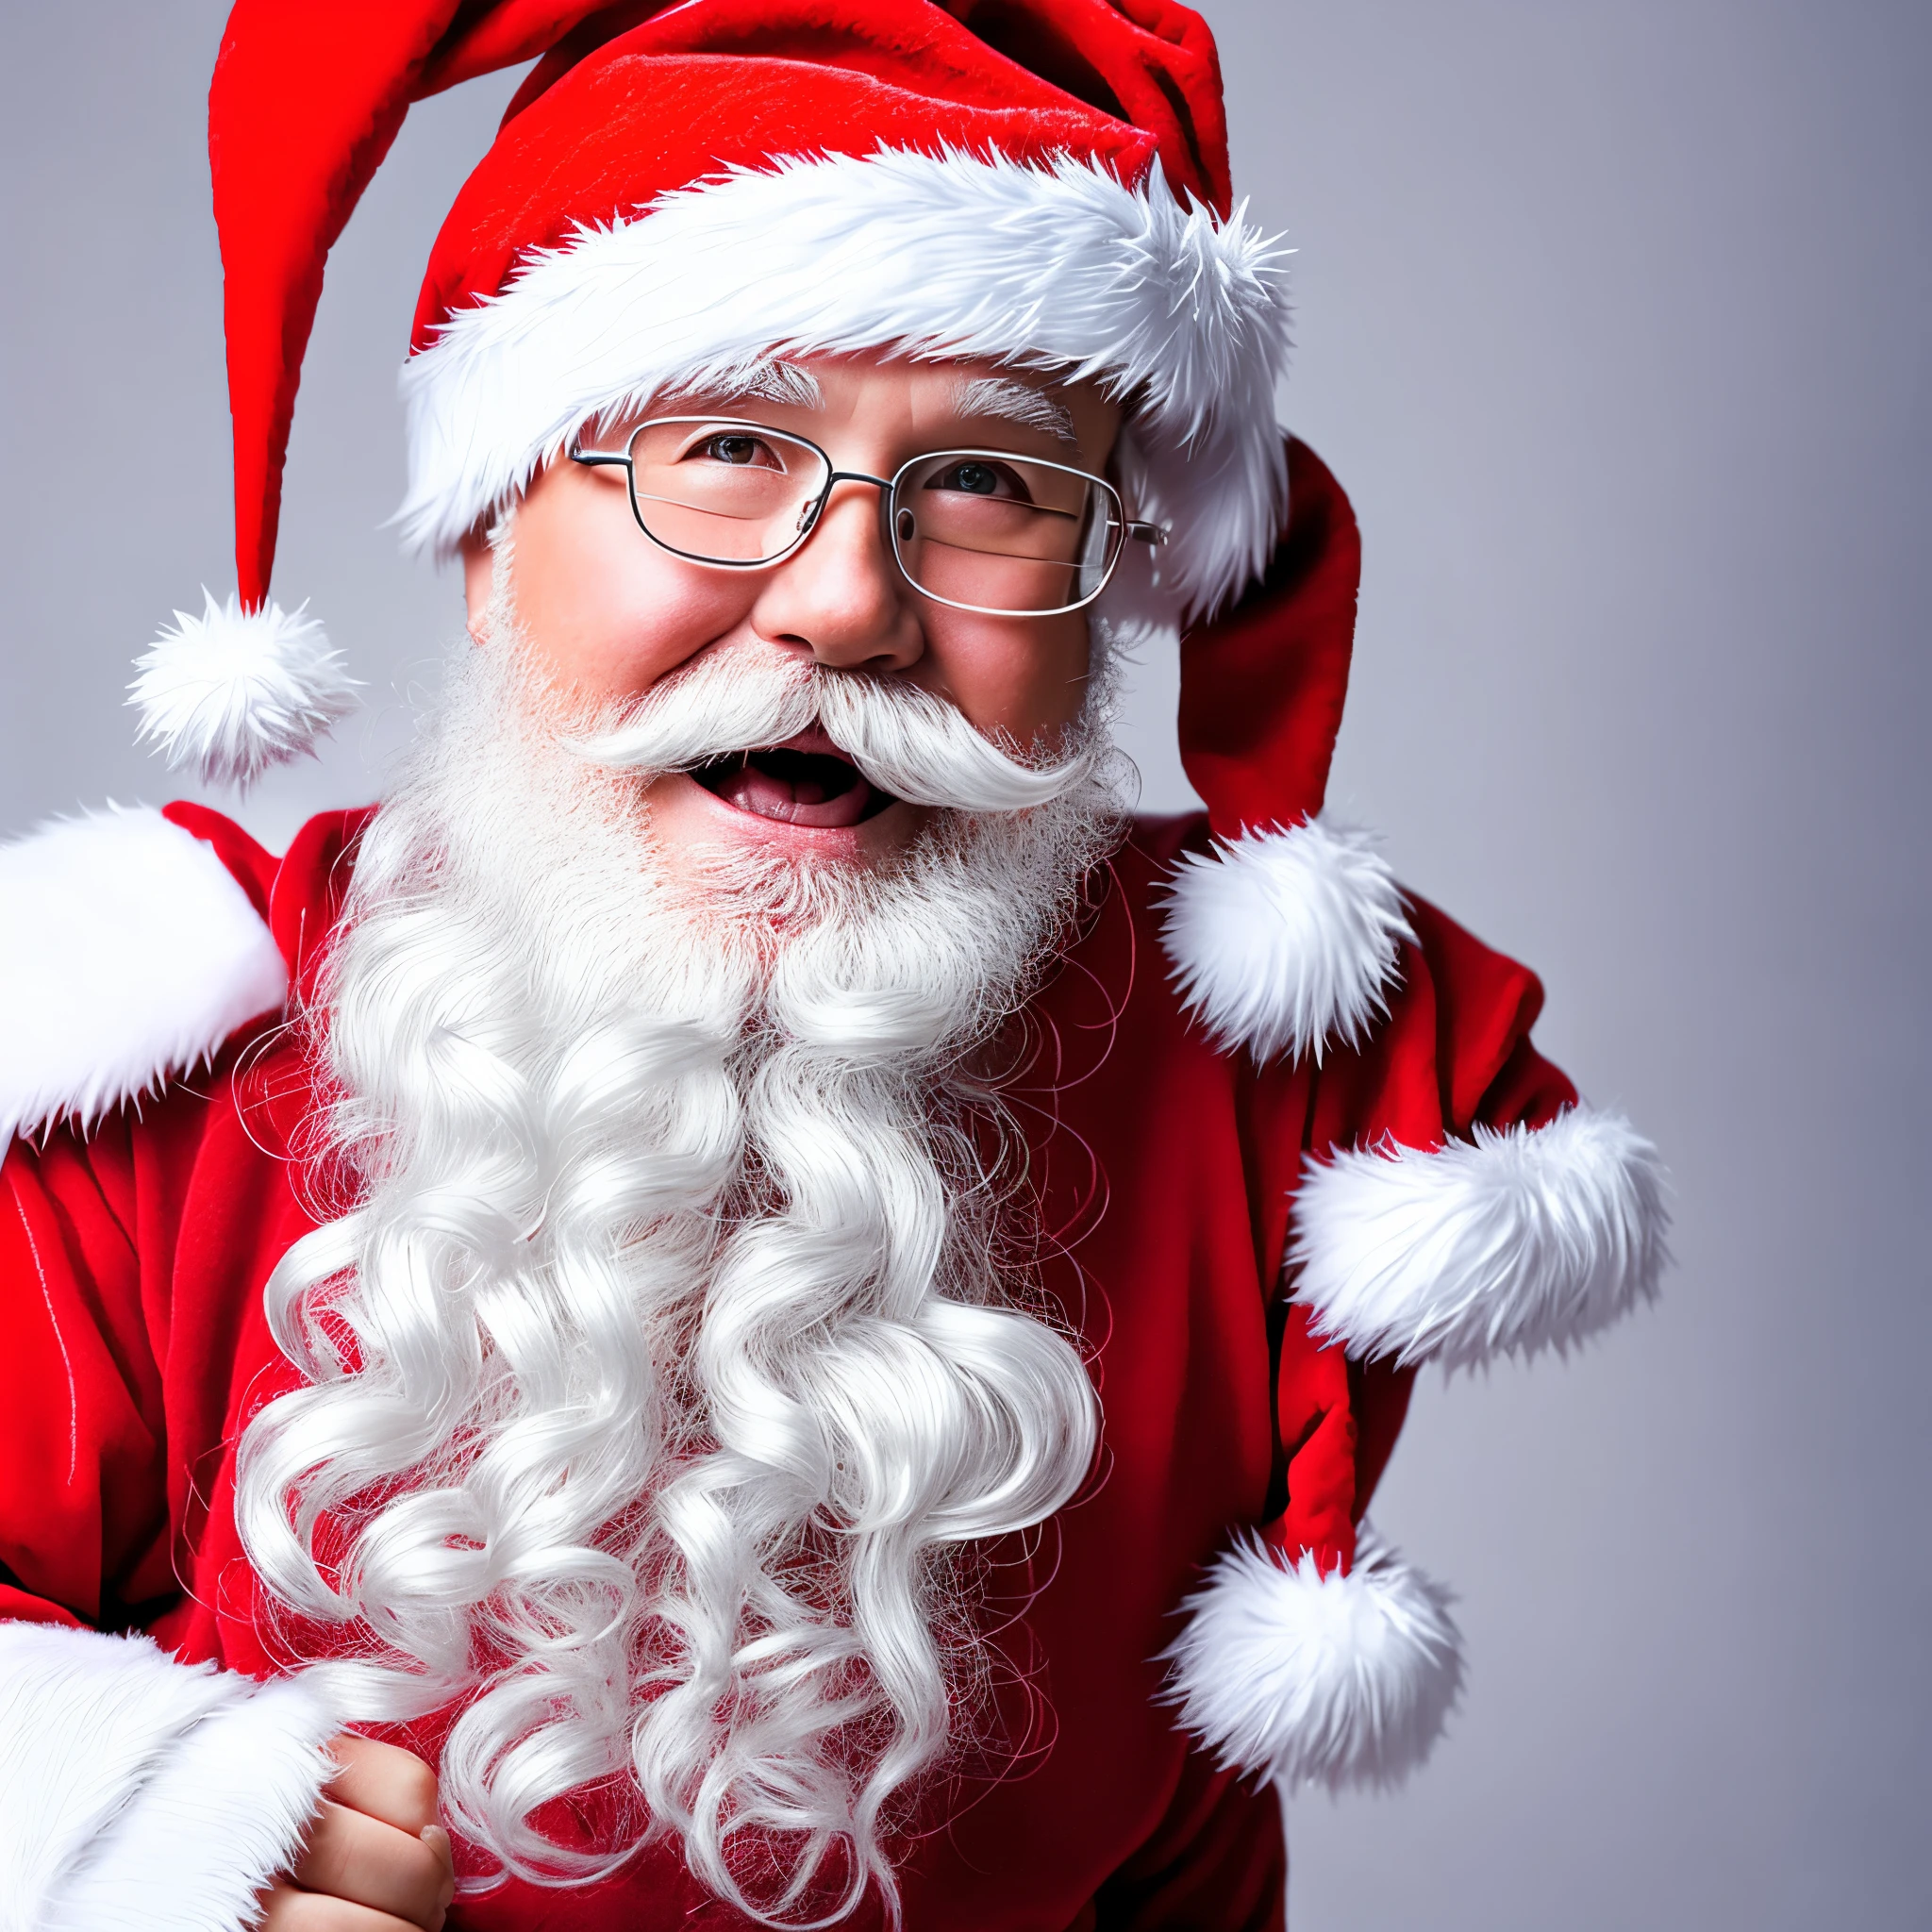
<point>1310,1677</point>
<point>1285,940</point>
<point>127,953</point>
<point>1513,1243</point>
<point>233,691</point>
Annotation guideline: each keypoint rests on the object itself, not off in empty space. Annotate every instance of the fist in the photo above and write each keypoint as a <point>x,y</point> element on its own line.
<point>377,1860</point>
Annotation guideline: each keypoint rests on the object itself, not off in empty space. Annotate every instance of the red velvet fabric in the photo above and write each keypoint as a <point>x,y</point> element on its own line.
<point>1262,686</point>
<point>132,1265</point>
<point>733,82</point>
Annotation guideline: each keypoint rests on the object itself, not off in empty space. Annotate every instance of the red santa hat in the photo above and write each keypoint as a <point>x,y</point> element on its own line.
<point>679,191</point>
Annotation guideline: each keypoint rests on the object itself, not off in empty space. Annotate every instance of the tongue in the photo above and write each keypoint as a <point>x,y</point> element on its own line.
<point>798,789</point>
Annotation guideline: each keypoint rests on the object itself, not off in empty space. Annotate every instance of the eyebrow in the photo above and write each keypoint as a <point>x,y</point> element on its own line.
<point>771,381</point>
<point>1015,402</point>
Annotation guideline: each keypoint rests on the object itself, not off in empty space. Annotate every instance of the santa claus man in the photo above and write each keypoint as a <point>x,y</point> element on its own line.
<point>749,1303</point>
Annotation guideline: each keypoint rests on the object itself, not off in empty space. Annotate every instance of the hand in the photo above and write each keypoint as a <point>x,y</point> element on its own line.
<point>377,1860</point>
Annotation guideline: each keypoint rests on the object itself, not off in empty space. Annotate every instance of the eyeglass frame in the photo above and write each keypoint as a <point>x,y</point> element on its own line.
<point>1135,530</point>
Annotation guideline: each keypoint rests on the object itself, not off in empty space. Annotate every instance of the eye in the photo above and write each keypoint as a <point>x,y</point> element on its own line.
<point>737,448</point>
<point>974,476</point>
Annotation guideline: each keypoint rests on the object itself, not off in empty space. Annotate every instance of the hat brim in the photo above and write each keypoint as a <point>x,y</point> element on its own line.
<point>1181,314</point>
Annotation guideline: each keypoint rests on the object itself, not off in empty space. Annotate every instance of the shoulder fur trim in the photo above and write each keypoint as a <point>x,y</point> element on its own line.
<point>1310,1678</point>
<point>1520,1241</point>
<point>138,1792</point>
<point>1283,941</point>
<point>127,954</point>
<point>941,255</point>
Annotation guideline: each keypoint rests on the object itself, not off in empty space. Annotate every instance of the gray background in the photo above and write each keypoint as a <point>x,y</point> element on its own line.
<point>1613,320</point>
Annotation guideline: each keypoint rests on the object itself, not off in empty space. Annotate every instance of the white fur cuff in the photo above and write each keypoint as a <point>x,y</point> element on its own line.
<point>1309,1678</point>
<point>138,1794</point>
<point>1284,940</point>
<point>1524,1240</point>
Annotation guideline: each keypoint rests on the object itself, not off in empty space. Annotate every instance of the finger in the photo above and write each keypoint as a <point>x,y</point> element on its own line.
<point>383,1780</point>
<point>354,1856</point>
<point>287,1909</point>
<point>438,1841</point>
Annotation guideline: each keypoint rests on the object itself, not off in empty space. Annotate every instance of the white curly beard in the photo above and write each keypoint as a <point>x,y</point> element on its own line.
<point>667,1358</point>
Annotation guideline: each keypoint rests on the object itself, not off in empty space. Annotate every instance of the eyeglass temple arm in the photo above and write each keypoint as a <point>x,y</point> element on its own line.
<point>598,458</point>
<point>1148,533</point>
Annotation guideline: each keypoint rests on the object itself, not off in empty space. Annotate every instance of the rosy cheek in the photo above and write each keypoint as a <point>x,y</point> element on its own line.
<point>607,611</point>
<point>651,622</point>
<point>1023,679</point>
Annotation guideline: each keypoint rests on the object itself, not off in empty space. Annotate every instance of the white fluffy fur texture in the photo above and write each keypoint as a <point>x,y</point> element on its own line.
<point>138,1794</point>
<point>232,691</point>
<point>1311,1678</point>
<point>1061,268</point>
<point>127,953</point>
<point>1518,1242</point>
<point>1285,940</point>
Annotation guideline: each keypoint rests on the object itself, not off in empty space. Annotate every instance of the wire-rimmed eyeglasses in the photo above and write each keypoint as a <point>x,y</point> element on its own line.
<point>978,529</point>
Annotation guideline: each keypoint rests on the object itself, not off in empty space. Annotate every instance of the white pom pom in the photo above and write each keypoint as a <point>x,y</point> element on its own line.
<point>1310,1677</point>
<point>232,691</point>
<point>1283,941</point>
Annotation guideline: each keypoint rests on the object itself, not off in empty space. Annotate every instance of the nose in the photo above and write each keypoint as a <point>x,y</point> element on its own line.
<point>842,595</point>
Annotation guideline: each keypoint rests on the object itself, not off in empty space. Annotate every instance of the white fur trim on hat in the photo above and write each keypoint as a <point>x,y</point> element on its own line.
<point>1283,941</point>
<point>1061,268</point>
<point>1314,1677</point>
<point>233,691</point>
<point>127,954</point>
<point>1514,1242</point>
<point>138,1794</point>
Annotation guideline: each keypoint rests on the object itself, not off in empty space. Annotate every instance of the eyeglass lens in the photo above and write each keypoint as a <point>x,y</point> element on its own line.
<point>987,530</point>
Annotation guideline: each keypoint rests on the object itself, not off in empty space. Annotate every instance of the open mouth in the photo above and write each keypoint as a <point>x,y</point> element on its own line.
<point>805,781</point>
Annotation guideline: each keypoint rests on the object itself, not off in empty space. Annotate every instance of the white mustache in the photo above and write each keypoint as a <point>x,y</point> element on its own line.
<point>904,740</point>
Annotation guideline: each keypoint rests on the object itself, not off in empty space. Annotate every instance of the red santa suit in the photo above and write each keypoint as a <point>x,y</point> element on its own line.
<point>1289,1137</point>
